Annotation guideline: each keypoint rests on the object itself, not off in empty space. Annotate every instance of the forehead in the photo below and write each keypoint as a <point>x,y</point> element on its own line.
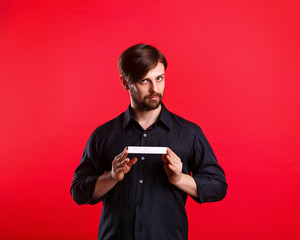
<point>159,69</point>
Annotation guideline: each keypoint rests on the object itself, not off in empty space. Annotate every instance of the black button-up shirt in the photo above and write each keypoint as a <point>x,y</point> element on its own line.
<point>144,205</point>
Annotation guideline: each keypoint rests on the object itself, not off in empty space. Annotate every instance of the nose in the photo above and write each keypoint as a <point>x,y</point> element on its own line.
<point>153,86</point>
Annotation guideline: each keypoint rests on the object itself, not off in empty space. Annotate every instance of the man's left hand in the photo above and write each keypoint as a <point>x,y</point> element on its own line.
<point>172,166</point>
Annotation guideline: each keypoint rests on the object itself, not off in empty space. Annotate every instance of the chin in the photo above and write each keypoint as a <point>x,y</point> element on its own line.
<point>149,106</point>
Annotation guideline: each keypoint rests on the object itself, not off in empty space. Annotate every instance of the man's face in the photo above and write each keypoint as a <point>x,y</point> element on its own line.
<point>147,93</point>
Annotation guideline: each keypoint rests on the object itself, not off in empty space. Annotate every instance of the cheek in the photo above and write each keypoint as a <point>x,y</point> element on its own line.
<point>162,87</point>
<point>136,92</point>
<point>142,90</point>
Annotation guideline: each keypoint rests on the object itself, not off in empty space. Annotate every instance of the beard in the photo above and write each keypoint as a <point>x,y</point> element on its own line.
<point>147,104</point>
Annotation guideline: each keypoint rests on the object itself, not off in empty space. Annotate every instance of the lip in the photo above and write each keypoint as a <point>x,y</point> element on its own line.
<point>154,98</point>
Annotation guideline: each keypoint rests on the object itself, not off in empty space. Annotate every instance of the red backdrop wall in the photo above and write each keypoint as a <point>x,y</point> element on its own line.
<point>233,69</point>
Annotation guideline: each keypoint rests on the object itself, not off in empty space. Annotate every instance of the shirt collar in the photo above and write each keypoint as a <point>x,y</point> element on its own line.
<point>128,116</point>
<point>164,117</point>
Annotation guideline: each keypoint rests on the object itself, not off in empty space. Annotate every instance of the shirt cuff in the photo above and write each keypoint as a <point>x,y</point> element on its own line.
<point>209,189</point>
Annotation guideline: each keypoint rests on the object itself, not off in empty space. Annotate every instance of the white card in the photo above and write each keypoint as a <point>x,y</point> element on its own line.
<point>147,150</point>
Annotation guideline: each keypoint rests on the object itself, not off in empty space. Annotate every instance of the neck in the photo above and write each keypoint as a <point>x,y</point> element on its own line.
<point>146,118</point>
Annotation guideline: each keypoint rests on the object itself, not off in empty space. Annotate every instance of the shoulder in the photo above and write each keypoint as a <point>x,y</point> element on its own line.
<point>183,124</point>
<point>110,126</point>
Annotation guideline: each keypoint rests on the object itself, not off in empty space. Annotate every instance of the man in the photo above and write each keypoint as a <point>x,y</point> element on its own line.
<point>144,195</point>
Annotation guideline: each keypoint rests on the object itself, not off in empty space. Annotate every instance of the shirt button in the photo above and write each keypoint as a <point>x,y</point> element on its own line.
<point>145,135</point>
<point>143,158</point>
<point>141,181</point>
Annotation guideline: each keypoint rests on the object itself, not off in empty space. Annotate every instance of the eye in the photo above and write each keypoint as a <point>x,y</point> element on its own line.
<point>159,78</point>
<point>143,81</point>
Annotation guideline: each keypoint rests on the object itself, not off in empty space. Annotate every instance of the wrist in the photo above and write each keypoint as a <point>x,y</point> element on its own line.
<point>112,176</point>
<point>176,180</point>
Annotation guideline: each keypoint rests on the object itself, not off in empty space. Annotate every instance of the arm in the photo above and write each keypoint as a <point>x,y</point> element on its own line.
<point>206,171</point>
<point>120,166</point>
<point>91,180</point>
<point>173,169</point>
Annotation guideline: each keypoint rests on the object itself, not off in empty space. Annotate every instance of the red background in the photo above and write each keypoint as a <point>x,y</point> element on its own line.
<point>233,69</point>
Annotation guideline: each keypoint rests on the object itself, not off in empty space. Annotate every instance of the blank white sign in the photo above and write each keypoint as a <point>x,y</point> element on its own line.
<point>147,150</point>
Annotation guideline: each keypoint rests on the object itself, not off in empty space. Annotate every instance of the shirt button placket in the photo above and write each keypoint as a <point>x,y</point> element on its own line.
<point>140,191</point>
<point>141,181</point>
<point>144,139</point>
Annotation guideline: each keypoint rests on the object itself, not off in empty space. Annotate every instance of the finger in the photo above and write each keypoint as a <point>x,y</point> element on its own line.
<point>164,158</point>
<point>171,160</point>
<point>171,153</point>
<point>128,166</point>
<point>172,168</point>
<point>125,153</point>
<point>122,164</point>
<point>132,162</point>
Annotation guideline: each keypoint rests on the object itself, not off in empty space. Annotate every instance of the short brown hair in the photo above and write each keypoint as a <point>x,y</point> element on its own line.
<point>136,61</point>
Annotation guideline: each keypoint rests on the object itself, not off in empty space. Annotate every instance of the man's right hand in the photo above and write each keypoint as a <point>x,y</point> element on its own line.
<point>121,165</point>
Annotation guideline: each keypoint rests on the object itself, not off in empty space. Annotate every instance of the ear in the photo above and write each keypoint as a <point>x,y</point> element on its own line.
<point>124,83</point>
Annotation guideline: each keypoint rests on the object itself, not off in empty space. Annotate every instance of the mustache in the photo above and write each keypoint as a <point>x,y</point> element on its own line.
<point>153,95</point>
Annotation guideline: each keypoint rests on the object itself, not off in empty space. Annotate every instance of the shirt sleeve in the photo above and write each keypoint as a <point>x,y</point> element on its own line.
<point>87,174</point>
<point>206,171</point>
